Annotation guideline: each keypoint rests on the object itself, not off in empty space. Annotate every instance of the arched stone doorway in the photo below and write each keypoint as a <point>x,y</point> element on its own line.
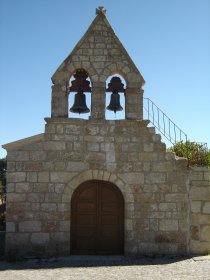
<point>97,219</point>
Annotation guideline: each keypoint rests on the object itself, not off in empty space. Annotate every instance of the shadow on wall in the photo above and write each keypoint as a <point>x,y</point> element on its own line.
<point>2,244</point>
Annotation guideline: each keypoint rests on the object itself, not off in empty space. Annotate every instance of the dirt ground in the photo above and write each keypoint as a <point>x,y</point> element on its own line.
<point>98,268</point>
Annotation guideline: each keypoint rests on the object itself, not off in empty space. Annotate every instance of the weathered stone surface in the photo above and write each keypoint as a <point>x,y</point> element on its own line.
<point>35,206</point>
<point>35,197</point>
<point>53,197</point>
<point>43,176</point>
<point>95,157</point>
<point>16,197</point>
<point>167,207</point>
<point>61,177</point>
<point>198,247</point>
<point>133,177</point>
<point>64,226</point>
<point>62,207</point>
<point>108,147</point>
<point>206,207</point>
<point>199,218</point>
<point>196,206</point>
<point>23,187</point>
<point>10,227</point>
<point>18,156</point>
<point>200,193</point>
<point>150,188</point>
<point>31,176</point>
<point>15,239</point>
<point>59,188</point>
<point>32,166</point>
<point>205,233</point>
<point>145,156</point>
<point>110,157</point>
<point>175,197</point>
<point>168,225</point>
<point>194,231</point>
<point>10,187</point>
<point>93,147</point>
<point>148,147</point>
<point>37,155</point>
<point>162,166</point>
<point>40,238</point>
<point>30,226</point>
<point>59,237</point>
<point>16,177</point>
<point>170,237</point>
<point>54,145</point>
<point>77,166</point>
<point>48,207</point>
<point>155,178</point>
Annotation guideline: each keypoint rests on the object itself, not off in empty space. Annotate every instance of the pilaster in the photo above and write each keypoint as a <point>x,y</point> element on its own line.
<point>59,103</point>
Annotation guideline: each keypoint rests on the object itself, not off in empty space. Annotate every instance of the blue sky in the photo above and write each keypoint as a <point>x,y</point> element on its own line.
<point>168,40</point>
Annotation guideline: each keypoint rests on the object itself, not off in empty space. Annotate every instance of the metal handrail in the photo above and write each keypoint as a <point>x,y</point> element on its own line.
<point>163,123</point>
<point>197,153</point>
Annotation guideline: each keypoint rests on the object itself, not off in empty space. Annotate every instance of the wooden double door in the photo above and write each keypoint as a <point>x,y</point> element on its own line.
<point>97,219</point>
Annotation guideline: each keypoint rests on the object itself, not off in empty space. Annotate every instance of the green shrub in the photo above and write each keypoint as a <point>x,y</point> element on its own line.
<point>196,153</point>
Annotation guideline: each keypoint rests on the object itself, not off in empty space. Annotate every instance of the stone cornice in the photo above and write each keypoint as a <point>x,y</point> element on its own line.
<point>23,142</point>
<point>123,122</point>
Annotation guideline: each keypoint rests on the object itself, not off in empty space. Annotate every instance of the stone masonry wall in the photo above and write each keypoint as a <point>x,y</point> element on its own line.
<point>42,177</point>
<point>200,211</point>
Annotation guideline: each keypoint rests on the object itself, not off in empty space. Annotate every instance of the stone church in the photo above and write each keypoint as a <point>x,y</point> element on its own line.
<point>102,187</point>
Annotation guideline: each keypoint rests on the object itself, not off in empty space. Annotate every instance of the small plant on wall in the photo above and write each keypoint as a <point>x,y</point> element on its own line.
<point>196,153</point>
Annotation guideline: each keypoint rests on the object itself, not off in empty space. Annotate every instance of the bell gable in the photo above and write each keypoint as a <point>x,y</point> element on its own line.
<point>101,54</point>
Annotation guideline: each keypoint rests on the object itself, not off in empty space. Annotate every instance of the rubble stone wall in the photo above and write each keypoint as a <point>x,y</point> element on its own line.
<point>200,210</point>
<point>155,184</point>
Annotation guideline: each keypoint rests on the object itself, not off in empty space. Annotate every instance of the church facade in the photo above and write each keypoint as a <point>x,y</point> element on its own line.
<point>100,186</point>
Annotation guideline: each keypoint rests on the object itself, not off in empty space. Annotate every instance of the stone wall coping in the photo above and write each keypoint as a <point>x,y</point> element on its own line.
<point>64,120</point>
<point>142,123</point>
<point>23,142</point>
<point>199,168</point>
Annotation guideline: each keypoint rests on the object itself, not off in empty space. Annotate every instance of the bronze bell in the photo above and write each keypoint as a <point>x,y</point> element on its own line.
<point>79,105</point>
<point>115,102</point>
<point>80,85</point>
<point>115,86</point>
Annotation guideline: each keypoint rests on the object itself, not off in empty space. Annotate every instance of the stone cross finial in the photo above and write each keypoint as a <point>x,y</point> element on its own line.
<point>100,11</point>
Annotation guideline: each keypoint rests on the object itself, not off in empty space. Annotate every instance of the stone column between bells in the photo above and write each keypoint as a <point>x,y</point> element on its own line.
<point>98,98</point>
<point>134,103</point>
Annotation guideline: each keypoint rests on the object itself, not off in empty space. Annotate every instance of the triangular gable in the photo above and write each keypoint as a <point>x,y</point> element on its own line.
<point>23,142</point>
<point>98,49</point>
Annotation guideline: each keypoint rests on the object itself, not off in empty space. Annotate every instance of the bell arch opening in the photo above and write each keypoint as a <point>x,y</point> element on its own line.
<point>115,97</point>
<point>80,88</point>
<point>97,219</point>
